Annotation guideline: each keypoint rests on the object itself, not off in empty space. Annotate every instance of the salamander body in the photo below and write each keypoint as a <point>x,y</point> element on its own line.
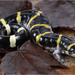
<point>34,25</point>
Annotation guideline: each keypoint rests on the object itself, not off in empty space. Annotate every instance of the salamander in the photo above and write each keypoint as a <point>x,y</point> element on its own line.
<point>16,37</point>
<point>34,25</point>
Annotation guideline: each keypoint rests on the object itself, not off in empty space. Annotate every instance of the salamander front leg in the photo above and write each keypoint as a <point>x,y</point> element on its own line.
<point>58,57</point>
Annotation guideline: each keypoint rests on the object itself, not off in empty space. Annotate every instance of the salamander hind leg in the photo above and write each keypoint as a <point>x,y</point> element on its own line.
<point>59,57</point>
<point>59,50</point>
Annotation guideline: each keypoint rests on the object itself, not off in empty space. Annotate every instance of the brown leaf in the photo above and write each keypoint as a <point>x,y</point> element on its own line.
<point>13,63</point>
<point>2,50</point>
<point>69,71</point>
<point>31,59</point>
<point>38,51</point>
<point>10,7</point>
<point>0,72</point>
<point>60,13</point>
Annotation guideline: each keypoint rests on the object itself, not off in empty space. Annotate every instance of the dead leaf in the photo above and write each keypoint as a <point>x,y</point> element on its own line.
<point>0,72</point>
<point>61,13</point>
<point>2,50</point>
<point>69,71</point>
<point>10,7</point>
<point>13,63</point>
<point>31,59</point>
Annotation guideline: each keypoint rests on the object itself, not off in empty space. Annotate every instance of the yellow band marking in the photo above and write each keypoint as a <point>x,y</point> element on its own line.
<point>45,25</point>
<point>70,46</point>
<point>58,40</point>
<point>3,21</point>
<point>39,12</point>
<point>73,55</point>
<point>6,26</point>
<point>38,36</point>
<point>67,52</point>
<point>8,29</point>
<point>18,17</point>
<point>20,29</point>
<point>12,41</point>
